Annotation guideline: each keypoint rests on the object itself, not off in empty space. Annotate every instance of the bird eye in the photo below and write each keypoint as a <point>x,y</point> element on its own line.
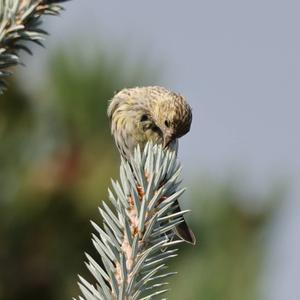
<point>167,123</point>
<point>144,118</point>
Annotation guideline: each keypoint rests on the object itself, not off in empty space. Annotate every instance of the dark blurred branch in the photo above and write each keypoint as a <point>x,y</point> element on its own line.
<point>20,22</point>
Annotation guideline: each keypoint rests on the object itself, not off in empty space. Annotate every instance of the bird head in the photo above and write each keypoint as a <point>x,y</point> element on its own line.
<point>172,115</point>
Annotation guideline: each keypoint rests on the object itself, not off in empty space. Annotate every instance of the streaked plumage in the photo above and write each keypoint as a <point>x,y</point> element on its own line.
<point>154,113</point>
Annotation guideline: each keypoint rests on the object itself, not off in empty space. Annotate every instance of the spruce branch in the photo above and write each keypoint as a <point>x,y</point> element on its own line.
<point>135,242</point>
<point>20,22</point>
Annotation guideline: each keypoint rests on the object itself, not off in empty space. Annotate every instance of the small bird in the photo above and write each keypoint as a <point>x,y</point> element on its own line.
<point>153,113</point>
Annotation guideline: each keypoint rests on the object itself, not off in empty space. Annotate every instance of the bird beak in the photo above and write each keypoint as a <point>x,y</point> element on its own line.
<point>167,140</point>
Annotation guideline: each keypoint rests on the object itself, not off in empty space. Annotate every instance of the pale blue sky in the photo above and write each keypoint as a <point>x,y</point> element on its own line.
<point>238,63</point>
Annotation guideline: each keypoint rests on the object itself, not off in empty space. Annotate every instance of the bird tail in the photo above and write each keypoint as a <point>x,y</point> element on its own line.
<point>183,231</point>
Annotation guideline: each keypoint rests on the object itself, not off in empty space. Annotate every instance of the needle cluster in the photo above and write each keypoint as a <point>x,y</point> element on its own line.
<point>20,23</point>
<point>136,239</point>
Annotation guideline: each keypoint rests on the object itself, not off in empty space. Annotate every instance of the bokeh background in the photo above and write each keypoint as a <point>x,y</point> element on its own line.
<point>237,63</point>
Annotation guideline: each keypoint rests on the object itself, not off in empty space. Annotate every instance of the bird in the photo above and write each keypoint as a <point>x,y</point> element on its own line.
<point>152,113</point>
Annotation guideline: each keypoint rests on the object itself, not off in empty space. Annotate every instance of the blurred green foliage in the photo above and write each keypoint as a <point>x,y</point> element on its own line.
<point>225,264</point>
<point>56,161</point>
